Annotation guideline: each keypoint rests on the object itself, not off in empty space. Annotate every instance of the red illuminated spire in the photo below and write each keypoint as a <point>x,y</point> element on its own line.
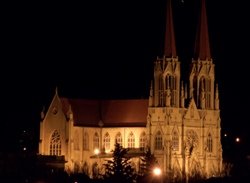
<point>202,49</point>
<point>169,47</point>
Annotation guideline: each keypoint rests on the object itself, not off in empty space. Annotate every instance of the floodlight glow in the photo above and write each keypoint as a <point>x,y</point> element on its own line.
<point>96,151</point>
<point>237,139</point>
<point>157,171</point>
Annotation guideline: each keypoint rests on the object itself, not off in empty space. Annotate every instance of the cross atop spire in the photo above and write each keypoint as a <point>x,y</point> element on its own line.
<point>202,49</point>
<point>169,44</point>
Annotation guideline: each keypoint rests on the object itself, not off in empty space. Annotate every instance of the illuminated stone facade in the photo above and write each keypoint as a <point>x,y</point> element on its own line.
<point>179,123</point>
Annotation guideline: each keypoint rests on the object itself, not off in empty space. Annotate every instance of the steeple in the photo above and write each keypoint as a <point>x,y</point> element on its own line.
<point>169,44</point>
<point>167,69</point>
<point>202,75</point>
<point>202,49</point>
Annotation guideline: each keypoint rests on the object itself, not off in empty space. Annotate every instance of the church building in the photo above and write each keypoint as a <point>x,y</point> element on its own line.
<point>179,122</point>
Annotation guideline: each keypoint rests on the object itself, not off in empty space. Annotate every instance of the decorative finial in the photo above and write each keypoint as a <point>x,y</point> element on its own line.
<point>56,91</point>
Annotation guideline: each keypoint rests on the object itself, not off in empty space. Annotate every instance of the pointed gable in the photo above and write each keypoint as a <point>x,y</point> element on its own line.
<point>169,69</point>
<point>192,112</point>
<point>54,106</point>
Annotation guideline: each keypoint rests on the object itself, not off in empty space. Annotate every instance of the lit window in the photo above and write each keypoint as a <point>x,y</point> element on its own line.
<point>55,144</point>
<point>76,141</point>
<point>143,140</point>
<point>85,141</point>
<point>158,141</point>
<point>107,142</point>
<point>118,138</point>
<point>96,141</point>
<point>209,143</point>
<point>175,141</point>
<point>131,140</point>
<point>205,85</point>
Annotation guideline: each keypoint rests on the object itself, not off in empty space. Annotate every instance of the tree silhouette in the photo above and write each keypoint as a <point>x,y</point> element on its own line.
<point>119,168</point>
<point>148,163</point>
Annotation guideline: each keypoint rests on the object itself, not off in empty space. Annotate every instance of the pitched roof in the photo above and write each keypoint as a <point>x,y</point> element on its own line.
<point>113,113</point>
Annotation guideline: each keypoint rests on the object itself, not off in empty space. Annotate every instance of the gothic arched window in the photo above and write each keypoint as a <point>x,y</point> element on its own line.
<point>171,85</point>
<point>85,141</point>
<point>209,143</point>
<point>107,142</point>
<point>118,138</point>
<point>55,144</point>
<point>158,141</point>
<point>143,141</point>
<point>96,141</point>
<point>175,141</point>
<point>205,86</point>
<point>131,140</point>
<point>76,141</point>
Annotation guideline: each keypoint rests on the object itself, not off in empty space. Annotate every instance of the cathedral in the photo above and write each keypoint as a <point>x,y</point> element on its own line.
<point>179,122</point>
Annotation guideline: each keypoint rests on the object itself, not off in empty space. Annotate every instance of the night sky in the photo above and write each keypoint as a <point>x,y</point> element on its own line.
<point>106,49</point>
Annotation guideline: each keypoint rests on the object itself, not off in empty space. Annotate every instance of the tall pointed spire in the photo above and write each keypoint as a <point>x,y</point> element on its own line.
<point>202,49</point>
<point>169,44</point>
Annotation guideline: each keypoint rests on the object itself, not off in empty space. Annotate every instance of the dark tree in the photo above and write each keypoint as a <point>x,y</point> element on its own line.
<point>119,169</point>
<point>148,163</point>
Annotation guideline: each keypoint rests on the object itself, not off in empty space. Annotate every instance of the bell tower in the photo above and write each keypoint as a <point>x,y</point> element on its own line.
<point>202,76</point>
<point>167,69</point>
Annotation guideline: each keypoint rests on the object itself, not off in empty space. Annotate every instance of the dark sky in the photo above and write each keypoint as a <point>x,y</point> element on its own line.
<point>106,49</point>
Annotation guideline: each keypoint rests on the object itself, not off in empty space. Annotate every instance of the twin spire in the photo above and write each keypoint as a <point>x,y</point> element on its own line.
<point>169,44</point>
<point>202,47</point>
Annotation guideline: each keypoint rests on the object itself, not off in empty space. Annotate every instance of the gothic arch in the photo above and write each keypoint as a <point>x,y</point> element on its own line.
<point>158,128</point>
<point>143,141</point>
<point>175,128</point>
<point>85,141</point>
<point>76,140</point>
<point>158,140</point>
<point>210,130</point>
<point>118,138</point>
<point>131,140</point>
<point>106,142</point>
<point>191,142</point>
<point>175,142</point>
<point>209,142</point>
<point>205,90</point>
<point>96,141</point>
<point>55,144</point>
